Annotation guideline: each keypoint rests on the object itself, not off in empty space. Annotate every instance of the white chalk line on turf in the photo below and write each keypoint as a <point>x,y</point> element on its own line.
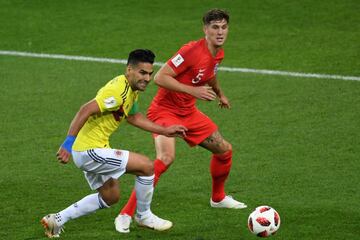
<point>227,69</point>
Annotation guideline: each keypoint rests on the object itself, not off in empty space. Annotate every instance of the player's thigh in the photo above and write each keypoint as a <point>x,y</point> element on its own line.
<point>165,149</point>
<point>215,143</point>
<point>139,165</point>
<point>199,126</point>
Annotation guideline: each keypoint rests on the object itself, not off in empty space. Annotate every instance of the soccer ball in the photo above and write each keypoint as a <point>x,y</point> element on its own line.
<point>264,221</point>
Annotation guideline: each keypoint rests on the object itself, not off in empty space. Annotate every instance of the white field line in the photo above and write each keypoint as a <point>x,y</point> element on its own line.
<point>227,69</point>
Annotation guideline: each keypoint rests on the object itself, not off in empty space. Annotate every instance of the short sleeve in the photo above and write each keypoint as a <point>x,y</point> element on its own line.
<point>182,60</point>
<point>108,99</point>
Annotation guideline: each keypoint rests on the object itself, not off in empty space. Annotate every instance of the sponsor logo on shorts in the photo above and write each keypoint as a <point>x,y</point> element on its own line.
<point>118,153</point>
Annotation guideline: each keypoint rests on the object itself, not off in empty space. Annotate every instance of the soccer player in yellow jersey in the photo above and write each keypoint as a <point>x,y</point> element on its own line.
<point>88,143</point>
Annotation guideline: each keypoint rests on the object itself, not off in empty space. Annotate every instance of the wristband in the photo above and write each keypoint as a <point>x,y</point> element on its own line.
<point>69,141</point>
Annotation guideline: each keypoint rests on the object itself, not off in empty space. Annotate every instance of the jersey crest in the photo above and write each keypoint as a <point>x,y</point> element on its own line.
<point>216,68</point>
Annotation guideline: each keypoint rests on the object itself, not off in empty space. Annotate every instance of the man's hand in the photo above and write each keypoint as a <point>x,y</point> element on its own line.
<point>63,155</point>
<point>224,102</point>
<point>175,131</point>
<point>203,93</point>
<point>64,152</point>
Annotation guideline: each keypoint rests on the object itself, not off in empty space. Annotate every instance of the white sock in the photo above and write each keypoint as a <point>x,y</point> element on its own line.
<point>85,206</point>
<point>144,188</point>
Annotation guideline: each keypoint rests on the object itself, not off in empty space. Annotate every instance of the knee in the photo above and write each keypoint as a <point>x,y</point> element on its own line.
<point>111,198</point>
<point>167,159</point>
<point>148,167</point>
<point>224,156</point>
<point>114,199</point>
<point>225,147</point>
<point>109,192</point>
<point>222,148</point>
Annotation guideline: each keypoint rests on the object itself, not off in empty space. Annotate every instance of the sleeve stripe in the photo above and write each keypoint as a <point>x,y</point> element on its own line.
<point>123,94</point>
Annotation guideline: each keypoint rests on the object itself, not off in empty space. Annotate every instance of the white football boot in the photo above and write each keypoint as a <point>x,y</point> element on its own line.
<point>52,230</point>
<point>154,222</point>
<point>228,202</point>
<point>122,223</point>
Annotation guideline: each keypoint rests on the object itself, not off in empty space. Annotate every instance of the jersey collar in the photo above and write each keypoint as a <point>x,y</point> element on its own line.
<point>219,54</point>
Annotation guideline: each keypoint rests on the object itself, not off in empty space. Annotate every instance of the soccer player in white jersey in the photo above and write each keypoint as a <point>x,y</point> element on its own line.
<point>88,143</point>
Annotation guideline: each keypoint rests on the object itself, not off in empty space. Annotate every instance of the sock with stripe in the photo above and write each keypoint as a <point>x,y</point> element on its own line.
<point>144,188</point>
<point>129,208</point>
<point>220,166</point>
<point>85,206</point>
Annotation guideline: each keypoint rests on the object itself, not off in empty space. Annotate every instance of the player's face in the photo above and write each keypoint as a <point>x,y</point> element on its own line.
<point>216,32</point>
<point>139,75</point>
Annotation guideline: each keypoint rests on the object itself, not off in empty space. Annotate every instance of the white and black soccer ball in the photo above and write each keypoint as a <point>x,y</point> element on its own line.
<point>264,221</point>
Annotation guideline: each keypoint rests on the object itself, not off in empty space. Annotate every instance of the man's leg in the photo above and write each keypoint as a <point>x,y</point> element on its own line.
<point>220,166</point>
<point>165,155</point>
<point>130,207</point>
<point>101,167</point>
<point>53,223</point>
<point>141,196</point>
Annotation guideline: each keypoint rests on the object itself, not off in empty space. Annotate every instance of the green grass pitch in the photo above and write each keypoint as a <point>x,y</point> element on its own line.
<point>296,140</point>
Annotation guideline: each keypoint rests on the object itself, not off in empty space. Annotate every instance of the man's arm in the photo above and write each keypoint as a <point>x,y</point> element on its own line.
<point>77,123</point>
<point>223,100</point>
<point>165,78</point>
<point>140,121</point>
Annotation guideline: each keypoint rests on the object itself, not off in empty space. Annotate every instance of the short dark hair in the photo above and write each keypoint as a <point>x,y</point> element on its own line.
<point>215,14</point>
<point>140,55</point>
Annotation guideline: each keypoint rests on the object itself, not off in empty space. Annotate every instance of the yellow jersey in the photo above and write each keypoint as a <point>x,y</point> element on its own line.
<point>116,101</point>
